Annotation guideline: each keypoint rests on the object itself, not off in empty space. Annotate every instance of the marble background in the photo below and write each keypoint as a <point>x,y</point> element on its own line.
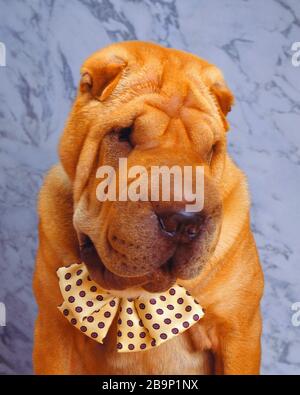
<point>250,41</point>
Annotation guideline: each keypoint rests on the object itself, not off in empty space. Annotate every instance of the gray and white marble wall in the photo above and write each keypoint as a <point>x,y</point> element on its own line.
<point>47,40</point>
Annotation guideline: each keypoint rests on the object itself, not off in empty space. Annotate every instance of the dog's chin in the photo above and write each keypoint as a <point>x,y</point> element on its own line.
<point>159,281</point>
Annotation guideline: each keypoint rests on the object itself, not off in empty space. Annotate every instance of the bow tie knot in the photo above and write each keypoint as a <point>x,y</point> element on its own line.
<point>143,322</point>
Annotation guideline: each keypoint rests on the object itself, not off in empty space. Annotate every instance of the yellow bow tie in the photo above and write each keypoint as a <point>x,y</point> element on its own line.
<point>143,323</point>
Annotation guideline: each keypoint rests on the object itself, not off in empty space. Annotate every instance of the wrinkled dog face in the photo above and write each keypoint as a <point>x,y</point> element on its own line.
<point>153,106</point>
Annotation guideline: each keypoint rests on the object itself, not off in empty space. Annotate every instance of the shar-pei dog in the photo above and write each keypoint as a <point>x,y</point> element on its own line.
<point>153,106</point>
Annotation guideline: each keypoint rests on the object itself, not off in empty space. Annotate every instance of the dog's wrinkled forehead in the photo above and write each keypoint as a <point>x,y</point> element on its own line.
<point>114,71</point>
<point>134,67</point>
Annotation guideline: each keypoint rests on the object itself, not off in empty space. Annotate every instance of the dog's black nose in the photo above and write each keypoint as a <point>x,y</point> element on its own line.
<point>185,226</point>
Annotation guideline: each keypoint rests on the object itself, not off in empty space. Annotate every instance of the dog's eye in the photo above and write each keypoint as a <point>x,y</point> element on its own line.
<point>211,153</point>
<point>125,134</point>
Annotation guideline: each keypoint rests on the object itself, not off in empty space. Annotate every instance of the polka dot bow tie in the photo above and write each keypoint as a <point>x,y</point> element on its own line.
<point>143,323</point>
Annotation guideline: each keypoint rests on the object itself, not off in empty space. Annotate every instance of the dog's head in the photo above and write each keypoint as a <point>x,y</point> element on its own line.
<point>154,106</point>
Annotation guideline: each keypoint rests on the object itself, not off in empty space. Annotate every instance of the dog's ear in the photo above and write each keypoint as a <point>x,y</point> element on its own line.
<point>99,76</point>
<point>218,88</point>
<point>223,95</point>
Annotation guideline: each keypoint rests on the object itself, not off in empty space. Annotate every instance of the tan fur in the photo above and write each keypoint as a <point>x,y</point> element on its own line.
<point>229,286</point>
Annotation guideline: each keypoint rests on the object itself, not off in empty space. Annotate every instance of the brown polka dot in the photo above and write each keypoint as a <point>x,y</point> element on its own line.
<point>141,323</point>
<point>160,311</point>
<point>119,346</point>
<point>101,325</point>
<point>68,276</point>
<point>167,321</point>
<point>83,328</point>
<point>79,272</point>
<point>178,315</point>
<point>130,335</point>
<point>89,303</point>
<point>148,316</point>
<point>175,331</point>
<point>99,298</point>
<point>196,317</point>
<point>142,335</point>
<point>78,309</point>
<point>130,346</point>
<point>129,323</point>
<point>93,288</point>
<point>185,324</point>
<point>196,301</point>
<point>152,301</point>
<point>119,321</point>
<point>172,291</point>
<point>107,314</point>
<point>155,326</point>
<point>188,308</point>
<point>73,321</point>
<point>78,282</point>
<point>179,300</point>
<point>66,312</point>
<point>129,310</point>
<point>90,319</point>
<point>130,299</point>
<point>142,306</point>
<point>112,303</point>
<point>94,335</point>
<point>187,292</point>
<point>89,278</point>
<point>163,336</point>
<point>153,343</point>
<point>119,333</point>
<point>163,298</point>
<point>143,346</point>
<point>170,307</point>
<point>82,294</point>
<point>71,299</point>
<point>68,287</point>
